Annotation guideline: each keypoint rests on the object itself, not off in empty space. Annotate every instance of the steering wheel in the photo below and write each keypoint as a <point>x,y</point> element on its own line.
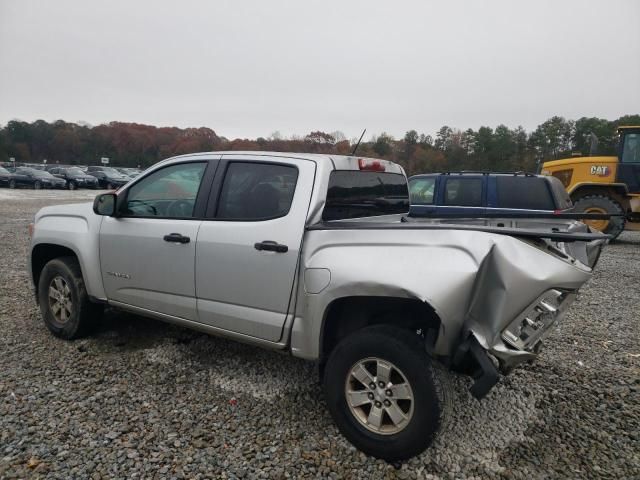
<point>180,208</point>
<point>142,203</point>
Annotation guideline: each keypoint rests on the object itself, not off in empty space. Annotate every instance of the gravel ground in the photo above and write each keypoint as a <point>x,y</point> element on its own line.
<point>141,399</point>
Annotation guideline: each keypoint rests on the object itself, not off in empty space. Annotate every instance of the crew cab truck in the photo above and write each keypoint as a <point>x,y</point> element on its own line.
<point>313,255</point>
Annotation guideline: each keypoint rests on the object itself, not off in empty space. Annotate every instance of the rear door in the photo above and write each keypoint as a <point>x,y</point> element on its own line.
<point>249,245</point>
<point>22,177</point>
<point>463,194</point>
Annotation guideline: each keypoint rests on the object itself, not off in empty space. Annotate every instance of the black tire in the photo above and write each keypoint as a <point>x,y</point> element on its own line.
<point>109,186</point>
<point>405,350</point>
<point>602,202</point>
<point>12,184</point>
<point>83,313</point>
<point>37,185</point>
<point>72,185</point>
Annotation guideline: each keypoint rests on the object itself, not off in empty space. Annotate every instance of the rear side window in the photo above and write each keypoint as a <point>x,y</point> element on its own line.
<point>463,192</point>
<point>354,194</point>
<point>524,193</point>
<point>256,191</point>
<point>421,190</point>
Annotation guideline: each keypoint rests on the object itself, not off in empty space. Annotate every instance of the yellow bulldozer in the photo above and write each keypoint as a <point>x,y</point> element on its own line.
<point>608,185</point>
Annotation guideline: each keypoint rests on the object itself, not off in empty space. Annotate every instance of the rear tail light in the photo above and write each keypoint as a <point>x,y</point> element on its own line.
<point>371,165</point>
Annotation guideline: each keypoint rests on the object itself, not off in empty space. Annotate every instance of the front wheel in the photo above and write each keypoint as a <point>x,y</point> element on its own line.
<point>37,185</point>
<point>64,302</point>
<point>109,186</point>
<point>72,185</point>
<point>12,184</point>
<point>380,390</point>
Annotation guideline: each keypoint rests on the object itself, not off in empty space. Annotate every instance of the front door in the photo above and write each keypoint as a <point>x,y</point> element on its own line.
<point>147,253</point>
<point>248,250</point>
<point>629,166</point>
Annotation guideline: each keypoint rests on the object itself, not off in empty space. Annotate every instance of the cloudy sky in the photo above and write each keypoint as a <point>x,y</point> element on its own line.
<point>249,68</point>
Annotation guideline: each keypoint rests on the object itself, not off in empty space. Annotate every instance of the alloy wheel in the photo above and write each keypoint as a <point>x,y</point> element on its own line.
<point>60,302</point>
<point>379,396</point>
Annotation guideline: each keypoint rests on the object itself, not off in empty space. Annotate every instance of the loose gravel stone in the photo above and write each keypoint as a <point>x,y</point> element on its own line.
<point>143,399</point>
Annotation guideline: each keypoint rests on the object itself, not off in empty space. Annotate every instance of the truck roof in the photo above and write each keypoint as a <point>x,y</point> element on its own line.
<point>339,162</point>
<point>479,172</point>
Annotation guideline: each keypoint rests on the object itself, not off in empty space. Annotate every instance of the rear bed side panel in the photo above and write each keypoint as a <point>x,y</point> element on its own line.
<point>438,267</point>
<point>76,227</point>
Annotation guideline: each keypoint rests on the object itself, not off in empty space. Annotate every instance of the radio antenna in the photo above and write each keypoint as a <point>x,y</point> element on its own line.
<point>358,144</point>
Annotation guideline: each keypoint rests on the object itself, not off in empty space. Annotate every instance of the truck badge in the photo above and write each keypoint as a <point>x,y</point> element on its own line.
<point>600,170</point>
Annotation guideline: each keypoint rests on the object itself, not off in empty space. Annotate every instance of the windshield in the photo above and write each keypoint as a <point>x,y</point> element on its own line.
<point>3,170</point>
<point>111,171</point>
<point>74,171</point>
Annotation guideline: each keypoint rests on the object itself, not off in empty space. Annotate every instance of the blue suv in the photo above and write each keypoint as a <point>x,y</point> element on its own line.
<point>476,193</point>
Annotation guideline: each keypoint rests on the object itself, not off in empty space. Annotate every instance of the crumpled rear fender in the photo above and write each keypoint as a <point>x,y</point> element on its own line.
<point>512,275</point>
<point>475,281</point>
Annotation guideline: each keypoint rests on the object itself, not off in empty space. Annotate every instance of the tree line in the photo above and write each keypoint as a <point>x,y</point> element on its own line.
<point>450,149</point>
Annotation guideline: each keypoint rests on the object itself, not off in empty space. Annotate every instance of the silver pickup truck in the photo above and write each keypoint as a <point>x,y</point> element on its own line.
<point>314,255</point>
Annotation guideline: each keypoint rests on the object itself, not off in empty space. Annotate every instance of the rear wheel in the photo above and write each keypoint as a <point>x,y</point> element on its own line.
<point>37,185</point>
<point>72,185</point>
<point>109,186</point>
<point>602,204</point>
<point>12,184</point>
<point>380,390</point>
<point>64,303</point>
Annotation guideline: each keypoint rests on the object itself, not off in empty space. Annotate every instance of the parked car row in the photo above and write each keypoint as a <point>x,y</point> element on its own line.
<point>71,177</point>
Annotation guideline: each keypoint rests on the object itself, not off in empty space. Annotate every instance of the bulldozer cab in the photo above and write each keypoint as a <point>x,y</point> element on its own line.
<point>629,158</point>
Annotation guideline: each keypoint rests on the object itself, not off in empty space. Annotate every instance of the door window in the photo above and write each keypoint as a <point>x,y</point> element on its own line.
<point>256,191</point>
<point>421,190</point>
<point>463,192</point>
<point>168,193</point>
<point>631,148</point>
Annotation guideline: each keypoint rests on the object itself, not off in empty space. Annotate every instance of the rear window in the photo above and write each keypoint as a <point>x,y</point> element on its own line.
<point>463,192</point>
<point>354,194</point>
<point>520,192</point>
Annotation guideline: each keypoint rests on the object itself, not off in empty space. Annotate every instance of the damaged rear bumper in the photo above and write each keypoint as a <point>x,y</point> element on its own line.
<point>519,341</point>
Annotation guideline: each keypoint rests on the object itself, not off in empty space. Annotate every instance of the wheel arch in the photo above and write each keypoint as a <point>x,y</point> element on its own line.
<point>42,253</point>
<point>346,315</point>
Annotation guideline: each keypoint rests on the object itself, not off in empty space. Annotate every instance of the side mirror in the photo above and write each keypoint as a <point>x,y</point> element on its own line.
<point>105,204</point>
